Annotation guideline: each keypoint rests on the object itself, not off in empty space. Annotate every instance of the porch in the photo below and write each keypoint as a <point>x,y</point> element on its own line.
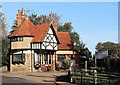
<point>39,60</point>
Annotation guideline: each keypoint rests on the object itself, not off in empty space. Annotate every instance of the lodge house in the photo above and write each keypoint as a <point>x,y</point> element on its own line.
<point>38,47</point>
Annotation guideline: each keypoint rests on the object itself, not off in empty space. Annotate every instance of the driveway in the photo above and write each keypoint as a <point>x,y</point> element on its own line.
<point>6,79</point>
<point>32,77</point>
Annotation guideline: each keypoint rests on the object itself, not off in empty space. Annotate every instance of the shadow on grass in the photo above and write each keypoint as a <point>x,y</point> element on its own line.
<point>62,78</point>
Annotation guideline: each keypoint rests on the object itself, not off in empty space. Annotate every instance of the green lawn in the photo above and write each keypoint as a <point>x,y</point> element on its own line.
<point>102,78</point>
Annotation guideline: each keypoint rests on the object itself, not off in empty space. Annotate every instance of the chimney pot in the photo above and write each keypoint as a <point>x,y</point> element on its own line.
<point>53,21</point>
<point>54,26</point>
<point>23,11</point>
<point>20,16</point>
<point>18,11</point>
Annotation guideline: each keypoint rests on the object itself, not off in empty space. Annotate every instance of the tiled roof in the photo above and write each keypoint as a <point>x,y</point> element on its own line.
<point>26,28</point>
<point>65,40</point>
<point>40,32</point>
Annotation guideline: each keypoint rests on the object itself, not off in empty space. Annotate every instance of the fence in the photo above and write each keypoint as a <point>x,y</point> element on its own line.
<point>90,77</point>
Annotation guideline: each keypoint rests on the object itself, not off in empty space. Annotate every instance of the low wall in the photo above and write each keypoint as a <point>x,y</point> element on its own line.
<point>47,67</point>
<point>4,68</point>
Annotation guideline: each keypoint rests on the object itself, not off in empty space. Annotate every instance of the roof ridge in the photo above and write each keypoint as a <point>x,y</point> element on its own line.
<point>30,21</point>
<point>42,24</point>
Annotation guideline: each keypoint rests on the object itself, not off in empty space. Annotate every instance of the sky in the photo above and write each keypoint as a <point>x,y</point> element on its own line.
<point>93,21</point>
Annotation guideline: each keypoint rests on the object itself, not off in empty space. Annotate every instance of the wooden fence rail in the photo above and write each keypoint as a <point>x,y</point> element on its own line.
<point>94,78</point>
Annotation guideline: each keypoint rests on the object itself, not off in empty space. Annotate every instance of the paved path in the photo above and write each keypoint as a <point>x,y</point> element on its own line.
<point>32,77</point>
<point>14,80</point>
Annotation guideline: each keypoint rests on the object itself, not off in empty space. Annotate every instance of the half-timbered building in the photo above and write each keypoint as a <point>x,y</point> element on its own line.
<point>38,47</point>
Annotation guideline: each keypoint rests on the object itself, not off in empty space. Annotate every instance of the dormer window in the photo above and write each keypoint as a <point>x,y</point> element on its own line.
<point>16,39</point>
<point>20,38</point>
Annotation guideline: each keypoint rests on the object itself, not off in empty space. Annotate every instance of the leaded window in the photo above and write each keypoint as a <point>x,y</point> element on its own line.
<point>18,58</point>
<point>16,39</point>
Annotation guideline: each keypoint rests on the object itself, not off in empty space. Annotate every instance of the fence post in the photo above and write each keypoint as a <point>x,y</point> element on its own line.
<point>71,75</point>
<point>95,77</point>
<point>86,67</point>
<point>109,77</point>
<point>71,71</point>
<point>81,77</point>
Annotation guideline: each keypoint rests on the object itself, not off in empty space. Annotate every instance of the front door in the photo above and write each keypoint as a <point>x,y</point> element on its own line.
<point>36,61</point>
<point>47,60</point>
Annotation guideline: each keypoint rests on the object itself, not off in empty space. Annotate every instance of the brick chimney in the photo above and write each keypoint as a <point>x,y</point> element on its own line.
<point>19,19</point>
<point>20,16</point>
<point>53,21</point>
<point>54,26</point>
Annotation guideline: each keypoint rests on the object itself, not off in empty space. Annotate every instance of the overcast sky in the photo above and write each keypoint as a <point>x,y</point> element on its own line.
<point>94,21</point>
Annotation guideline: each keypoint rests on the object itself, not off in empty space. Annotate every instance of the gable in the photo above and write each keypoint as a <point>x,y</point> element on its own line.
<point>41,31</point>
<point>45,38</point>
<point>50,41</point>
<point>50,36</point>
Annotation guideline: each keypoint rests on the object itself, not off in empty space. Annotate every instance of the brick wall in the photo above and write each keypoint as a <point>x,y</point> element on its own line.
<point>25,44</point>
<point>26,67</point>
<point>4,68</point>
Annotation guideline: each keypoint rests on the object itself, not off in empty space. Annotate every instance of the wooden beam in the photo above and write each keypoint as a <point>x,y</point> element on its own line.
<point>55,60</point>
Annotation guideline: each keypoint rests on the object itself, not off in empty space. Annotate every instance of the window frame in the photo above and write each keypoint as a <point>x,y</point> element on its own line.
<point>20,60</point>
<point>16,39</point>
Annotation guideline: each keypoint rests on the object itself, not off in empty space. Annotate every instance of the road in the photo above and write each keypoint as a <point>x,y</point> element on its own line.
<point>32,78</point>
<point>14,80</point>
<point>17,81</point>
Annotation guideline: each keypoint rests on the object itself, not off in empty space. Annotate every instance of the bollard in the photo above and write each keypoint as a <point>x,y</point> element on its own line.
<point>95,77</point>
<point>86,68</point>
